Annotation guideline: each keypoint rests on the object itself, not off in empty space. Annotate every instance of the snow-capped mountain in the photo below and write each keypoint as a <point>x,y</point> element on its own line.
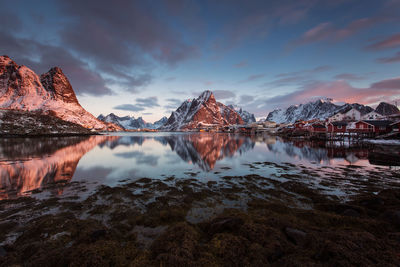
<point>50,94</point>
<point>130,123</point>
<point>160,122</point>
<point>320,109</point>
<point>362,108</point>
<point>246,116</point>
<point>201,111</point>
<point>386,109</point>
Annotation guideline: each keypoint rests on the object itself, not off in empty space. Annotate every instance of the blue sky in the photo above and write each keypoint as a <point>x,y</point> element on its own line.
<point>143,58</point>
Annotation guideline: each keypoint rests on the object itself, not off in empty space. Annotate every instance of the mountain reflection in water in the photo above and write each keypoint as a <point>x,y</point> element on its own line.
<point>27,164</point>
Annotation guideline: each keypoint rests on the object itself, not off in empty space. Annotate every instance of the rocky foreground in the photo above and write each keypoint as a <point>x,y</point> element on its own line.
<point>238,221</point>
<point>24,123</point>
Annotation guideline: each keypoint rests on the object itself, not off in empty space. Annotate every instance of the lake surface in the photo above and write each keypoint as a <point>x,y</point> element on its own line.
<point>29,165</point>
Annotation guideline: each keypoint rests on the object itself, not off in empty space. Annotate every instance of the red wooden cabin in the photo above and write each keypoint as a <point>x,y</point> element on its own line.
<point>374,126</point>
<point>317,128</point>
<point>299,125</point>
<point>337,127</point>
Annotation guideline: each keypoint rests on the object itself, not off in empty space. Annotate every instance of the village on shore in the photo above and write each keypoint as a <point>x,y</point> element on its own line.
<point>350,124</point>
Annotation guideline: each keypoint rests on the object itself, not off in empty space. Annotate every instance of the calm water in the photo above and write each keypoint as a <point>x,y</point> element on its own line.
<point>29,164</point>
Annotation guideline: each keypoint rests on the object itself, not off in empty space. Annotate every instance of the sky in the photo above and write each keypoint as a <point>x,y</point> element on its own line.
<point>144,58</point>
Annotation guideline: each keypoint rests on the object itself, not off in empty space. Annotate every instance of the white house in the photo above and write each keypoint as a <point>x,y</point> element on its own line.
<point>372,116</point>
<point>350,115</point>
<point>336,117</point>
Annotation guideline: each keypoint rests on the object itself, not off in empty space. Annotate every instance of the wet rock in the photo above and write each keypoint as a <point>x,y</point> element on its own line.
<point>351,213</point>
<point>342,209</point>
<point>272,240</point>
<point>297,236</point>
<point>372,202</point>
<point>3,252</point>
<point>97,235</point>
<point>392,216</point>
<point>395,236</point>
<point>232,250</point>
<point>224,224</point>
<point>177,246</point>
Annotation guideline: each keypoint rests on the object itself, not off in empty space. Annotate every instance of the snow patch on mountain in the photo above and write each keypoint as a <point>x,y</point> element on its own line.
<point>52,94</point>
<point>319,109</point>
<point>201,111</point>
<point>131,123</point>
<point>245,115</point>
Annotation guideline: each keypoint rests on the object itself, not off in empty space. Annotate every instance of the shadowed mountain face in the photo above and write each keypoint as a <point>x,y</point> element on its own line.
<point>27,164</point>
<point>386,109</point>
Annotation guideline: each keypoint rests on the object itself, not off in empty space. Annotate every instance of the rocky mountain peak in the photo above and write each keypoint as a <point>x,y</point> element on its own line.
<point>51,94</point>
<point>386,109</point>
<point>320,109</point>
<point>5,60</point>
<point>202,111</point>
<point>206,96</point>
<point>55,82</point>
<point>20,82</point>
<point>246,116</point>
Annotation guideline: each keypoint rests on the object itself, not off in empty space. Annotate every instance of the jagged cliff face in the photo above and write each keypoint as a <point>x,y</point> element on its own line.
<point>20,87</point>
<point>202,111</point>
<point>55,82</point>
<point>52,94</point>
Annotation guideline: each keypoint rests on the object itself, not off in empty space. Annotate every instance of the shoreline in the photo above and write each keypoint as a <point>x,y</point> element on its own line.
<point>239,220</point>
<point>46,135</point>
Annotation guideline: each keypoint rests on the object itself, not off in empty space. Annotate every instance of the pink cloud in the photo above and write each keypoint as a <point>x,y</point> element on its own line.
<point>326,31</point>
<point>390,42</point>
<point>343,91</point>
<point>393,59</point>
<point>392,84</point>
<point>385,90</point>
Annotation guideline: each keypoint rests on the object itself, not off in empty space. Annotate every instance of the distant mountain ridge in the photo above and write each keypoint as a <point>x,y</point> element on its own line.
<point>201,111</point>
<point>246,116</point>
<point>323,109</point>
<point>130,123</point>
<point>50,94</point>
